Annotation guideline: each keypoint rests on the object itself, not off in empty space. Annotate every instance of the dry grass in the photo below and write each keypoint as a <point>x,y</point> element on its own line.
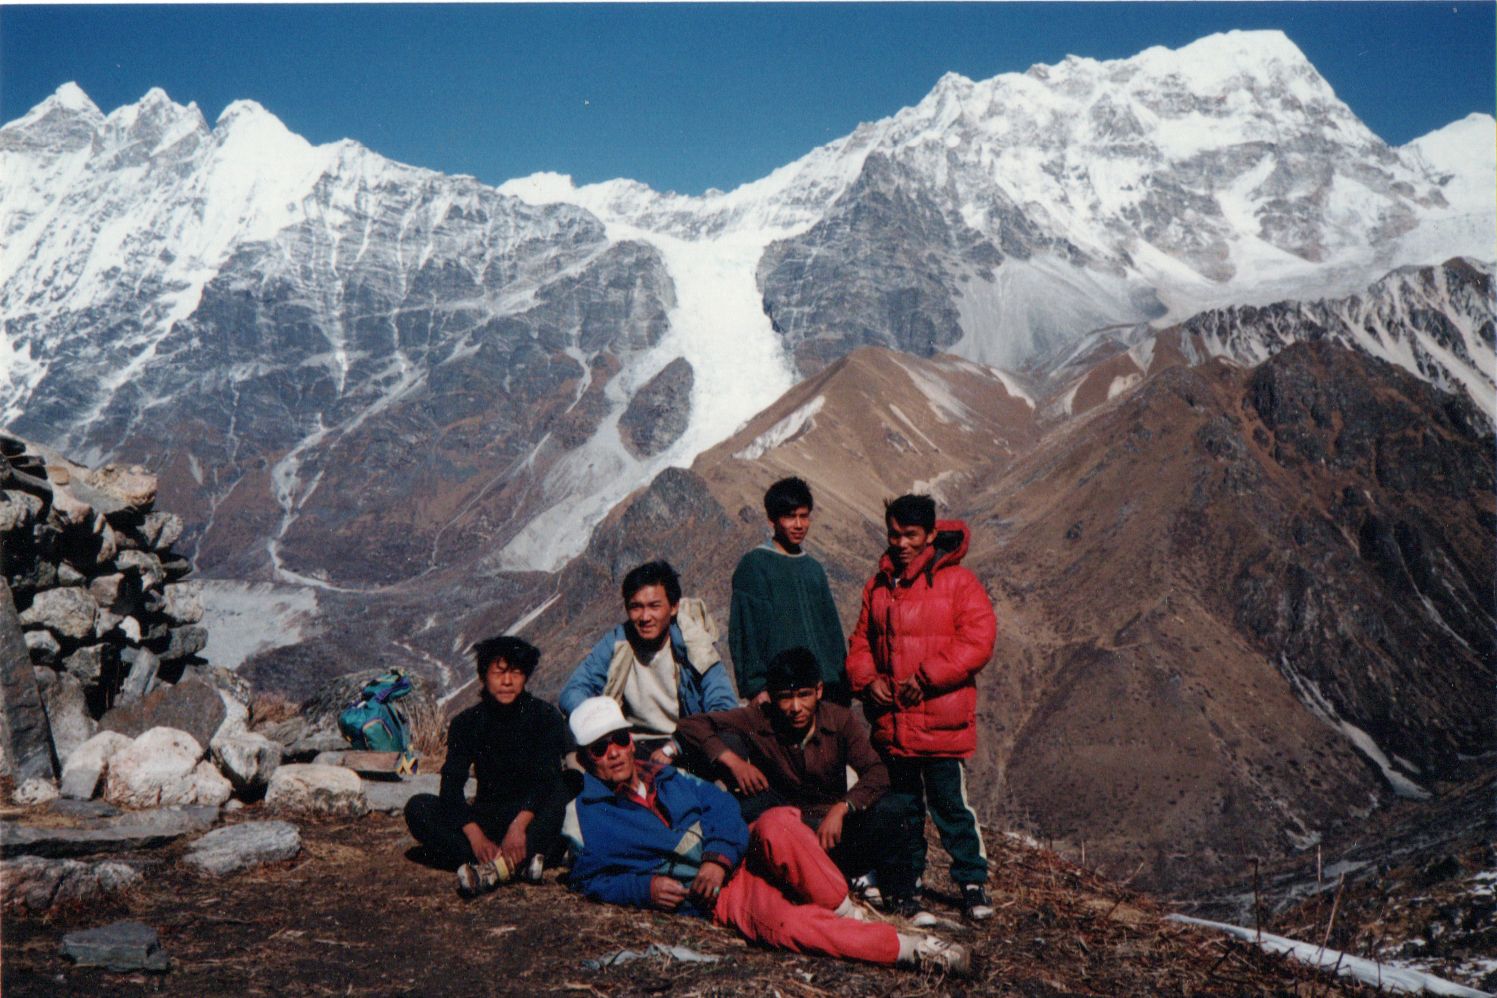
<point>271,708</point>
<point>428,731</point>
<point>297,928</point>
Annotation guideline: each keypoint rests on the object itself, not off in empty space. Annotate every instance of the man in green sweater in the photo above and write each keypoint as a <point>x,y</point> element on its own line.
<point>781,600</point>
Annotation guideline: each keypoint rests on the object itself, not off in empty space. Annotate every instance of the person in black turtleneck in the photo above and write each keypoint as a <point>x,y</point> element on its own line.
<point>513,743</point>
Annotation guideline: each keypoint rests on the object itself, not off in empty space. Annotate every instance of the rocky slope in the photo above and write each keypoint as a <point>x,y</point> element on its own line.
<point>350,373</point>
<point>1242,608</point>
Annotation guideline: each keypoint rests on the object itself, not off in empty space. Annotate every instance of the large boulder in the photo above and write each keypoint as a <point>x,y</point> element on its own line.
<point>161,767</point>
<point>67,711</point>
<point>25,740</point>
<point>38,885</point>
<point>248,760</point>
<point>86,765</point>
<point>239,847</point>
<point>67,612</point>
<point>327,791</point>
<point>193,706</point>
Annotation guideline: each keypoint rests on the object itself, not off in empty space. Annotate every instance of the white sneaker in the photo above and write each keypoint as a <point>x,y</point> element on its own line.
<point>535,870</point>
<point>474,879</point>
<point>947,957</point>
<point>866,887</point>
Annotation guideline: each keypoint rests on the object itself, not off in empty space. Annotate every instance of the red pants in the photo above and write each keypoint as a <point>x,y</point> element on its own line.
<point>784,894</point>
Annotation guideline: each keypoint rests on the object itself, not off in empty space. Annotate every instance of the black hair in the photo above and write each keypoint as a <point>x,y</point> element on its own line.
<point>786,496</point>
<point>792,669</point>
<point>912,511</point>
<point>517,653</point>
<point>653,573</point>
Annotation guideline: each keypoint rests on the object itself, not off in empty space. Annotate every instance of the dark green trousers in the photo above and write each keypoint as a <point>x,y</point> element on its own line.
<point>939,785</point>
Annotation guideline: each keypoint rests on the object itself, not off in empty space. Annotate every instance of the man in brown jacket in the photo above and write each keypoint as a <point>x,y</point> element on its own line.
<point>795,749</point>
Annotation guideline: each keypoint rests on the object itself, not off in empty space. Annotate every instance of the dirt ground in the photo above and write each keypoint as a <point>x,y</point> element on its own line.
<point>357,913</point>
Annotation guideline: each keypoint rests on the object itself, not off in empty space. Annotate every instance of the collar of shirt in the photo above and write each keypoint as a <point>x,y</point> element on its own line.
<point>646,772</point>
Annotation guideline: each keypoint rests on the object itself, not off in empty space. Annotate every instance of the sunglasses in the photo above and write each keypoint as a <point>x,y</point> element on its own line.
<point>599,748</point>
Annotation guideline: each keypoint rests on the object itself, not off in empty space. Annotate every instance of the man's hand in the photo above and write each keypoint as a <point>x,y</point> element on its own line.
<point>484,848</point>
<point>513,846</point>
<point>709,882</point>
<point>881,691</point>
<point>666,894</point>
<point>750,778</point>
<point>910,692</point>
<point>829,832</point>
<point>761,697</point>
<point>661,757</point>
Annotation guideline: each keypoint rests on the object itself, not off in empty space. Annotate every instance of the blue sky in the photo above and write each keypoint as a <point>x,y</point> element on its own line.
<point>682,96</point>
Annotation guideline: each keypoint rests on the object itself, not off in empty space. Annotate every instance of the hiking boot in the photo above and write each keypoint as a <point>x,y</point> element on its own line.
<point>474,879</point>
<point>975,903</point>
<point>908,909</point>
<point>931,953</point>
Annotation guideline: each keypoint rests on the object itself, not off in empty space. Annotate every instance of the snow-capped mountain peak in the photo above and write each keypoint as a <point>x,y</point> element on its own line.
<point>150,262</point>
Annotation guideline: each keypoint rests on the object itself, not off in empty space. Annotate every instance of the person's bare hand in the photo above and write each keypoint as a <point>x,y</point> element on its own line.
<point>829,832</point>
<point>881,692</point>
<point>709,882</point>
<point>513,847</point>
<point>666,893</point>
<point>910,692</point>
<point>484,848</point>
<point>750,778</point>
<point>761,697</point>
<point>661,757</point>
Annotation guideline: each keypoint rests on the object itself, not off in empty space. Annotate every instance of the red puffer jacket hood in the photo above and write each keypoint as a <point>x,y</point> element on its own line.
<point>937,625</point>
<point>948,547</point>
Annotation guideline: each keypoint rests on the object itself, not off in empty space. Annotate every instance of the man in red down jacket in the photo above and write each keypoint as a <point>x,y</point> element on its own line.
<point>925,630</point>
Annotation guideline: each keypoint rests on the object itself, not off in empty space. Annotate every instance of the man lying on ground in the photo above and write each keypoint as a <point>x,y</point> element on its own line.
<point>513,743</point>
<point>648,835</point>
<point>795,749</point>
<point>661,664</point>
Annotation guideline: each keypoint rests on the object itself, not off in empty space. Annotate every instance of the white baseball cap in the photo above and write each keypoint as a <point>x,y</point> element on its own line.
<point>596,717</point>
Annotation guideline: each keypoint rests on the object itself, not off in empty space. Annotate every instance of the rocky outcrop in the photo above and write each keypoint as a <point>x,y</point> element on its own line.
<point>38,885</point>
<point>659,412</point>
<point>96,603</point>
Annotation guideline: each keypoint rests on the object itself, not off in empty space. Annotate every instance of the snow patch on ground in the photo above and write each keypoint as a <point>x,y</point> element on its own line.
<point>1311,697</point>
<point>782,431</point>
<point>246,618</point>
<point>1389,976</point>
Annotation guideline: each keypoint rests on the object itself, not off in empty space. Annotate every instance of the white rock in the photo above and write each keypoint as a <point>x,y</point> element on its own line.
<point>317,790</point>
<point>83,768</point>
<point>209,786</point>
<point>236,717</point>
<point>161,768</point>
<point>38,790</point>
<point>69,612</point>
<point>238,847</point>
<point>184,604</point>
<point>248,760</point>
<point>69,507</point>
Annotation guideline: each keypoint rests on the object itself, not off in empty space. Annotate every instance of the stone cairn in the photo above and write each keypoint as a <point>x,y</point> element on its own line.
<point>99,596</point>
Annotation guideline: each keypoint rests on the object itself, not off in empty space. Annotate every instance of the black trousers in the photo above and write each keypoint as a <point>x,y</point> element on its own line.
<point>439,827</point>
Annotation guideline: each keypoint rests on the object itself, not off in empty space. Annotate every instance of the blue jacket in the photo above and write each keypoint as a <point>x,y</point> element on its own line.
<point>618,845</point>
<point>696,693</point>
